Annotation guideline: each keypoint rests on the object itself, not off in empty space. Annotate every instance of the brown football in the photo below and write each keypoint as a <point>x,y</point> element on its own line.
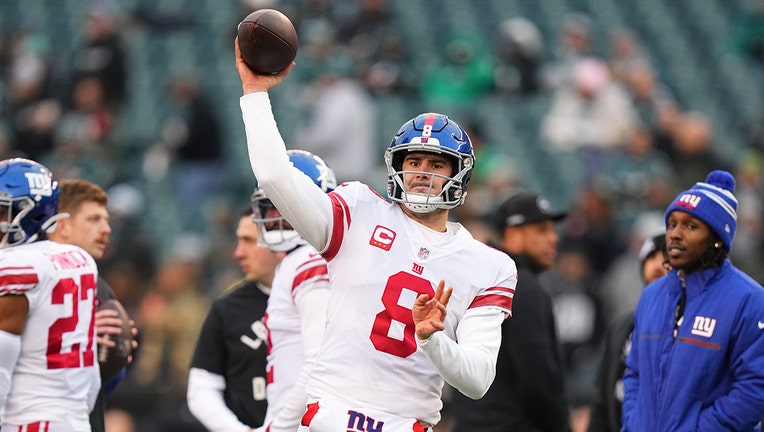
<point>112,360</point>
<point>267,41</point>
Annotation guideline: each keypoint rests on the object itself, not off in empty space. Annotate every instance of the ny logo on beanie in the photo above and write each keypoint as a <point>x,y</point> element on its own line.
<point>713,202</point>
<point>688,201</point>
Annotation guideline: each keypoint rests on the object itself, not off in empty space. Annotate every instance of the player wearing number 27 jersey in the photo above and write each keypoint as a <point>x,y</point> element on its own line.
<point>374,370</point>
<point>49,376</point>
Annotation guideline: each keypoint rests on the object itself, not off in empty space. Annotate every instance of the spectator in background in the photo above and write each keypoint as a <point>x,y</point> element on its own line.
<point>693,151</point>
<point>493,178</point>
<point>749,248</point>
<point>29,102</point>
<point>191,144</point>
<point>625,54</point>
<point>528,393</point>
<point>621,286</point>
<point>170,316</point>
<point>697,353</point>
<point>642,177</point>
<point>748,35</point>
<point>129,261</point>
<point>364,31</point>
<point>588,120</point>
<point>461,78</point>
<point>320,51</point>
<point>574,287</point>
<point>519,55</point>
<point>101,54</point>
<point>6,150</point>
<point>665,128</point>
<point>606,409</point>
<point>592,225</point>
<point>341,111</point>
<point>227,379</point>
<point>83,145</point>
<point>590,241</point>
<point>310,13</point>
<point>387,72</point>
<point>648,94</point>
<point>575,42</point>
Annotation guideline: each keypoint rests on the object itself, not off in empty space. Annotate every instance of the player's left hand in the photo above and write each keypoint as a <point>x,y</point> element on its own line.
<point>107,323</point>
<point>430,313</point>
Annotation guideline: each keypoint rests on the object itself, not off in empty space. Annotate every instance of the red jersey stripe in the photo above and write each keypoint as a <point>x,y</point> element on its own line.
<point>3,269</point>
<point>340,209</point>
<point>310,262</point>
<point>310,412</point>
<point>345,208</point>
<point>308,274</point>
<point>19,279</point>
<point>498,300</point>
<point>268,333</point>
<point>504,290</point>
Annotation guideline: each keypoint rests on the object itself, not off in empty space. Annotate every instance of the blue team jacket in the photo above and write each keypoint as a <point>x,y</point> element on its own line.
<point>711,377</point>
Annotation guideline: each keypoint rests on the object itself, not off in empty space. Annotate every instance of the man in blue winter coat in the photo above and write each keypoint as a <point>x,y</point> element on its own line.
<point>697,356</point>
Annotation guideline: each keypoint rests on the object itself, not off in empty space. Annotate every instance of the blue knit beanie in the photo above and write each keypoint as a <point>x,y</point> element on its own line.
<point>712,202</point>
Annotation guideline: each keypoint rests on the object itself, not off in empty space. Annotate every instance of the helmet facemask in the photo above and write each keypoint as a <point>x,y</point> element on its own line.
<point>452,193</point>
<point>275,232</point>
<point>12,212</point>
<point>433,133</point>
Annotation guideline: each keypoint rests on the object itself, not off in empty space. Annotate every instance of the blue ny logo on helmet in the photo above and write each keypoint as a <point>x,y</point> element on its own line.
<point>28,201</point>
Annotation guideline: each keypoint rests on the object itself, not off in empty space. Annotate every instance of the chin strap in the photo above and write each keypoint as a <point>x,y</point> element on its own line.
<point>47,227</point>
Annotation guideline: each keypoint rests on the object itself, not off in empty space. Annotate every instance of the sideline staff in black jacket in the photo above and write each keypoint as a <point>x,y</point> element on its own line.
<point>528,393</point>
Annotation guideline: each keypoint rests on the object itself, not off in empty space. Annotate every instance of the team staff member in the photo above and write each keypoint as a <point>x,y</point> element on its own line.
<point>528,392</point>
<point>226,383</point>
<point>697,350</point>
<point>392,329</point>
<point>87,226</point>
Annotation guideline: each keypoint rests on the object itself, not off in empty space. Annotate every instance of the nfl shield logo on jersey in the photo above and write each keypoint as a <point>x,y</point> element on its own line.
<point>423,253</point>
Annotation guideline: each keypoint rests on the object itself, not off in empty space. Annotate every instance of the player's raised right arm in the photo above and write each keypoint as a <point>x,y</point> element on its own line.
<point>298,199</point>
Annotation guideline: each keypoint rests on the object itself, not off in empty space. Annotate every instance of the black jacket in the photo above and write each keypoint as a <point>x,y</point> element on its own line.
<point>235,317</point>
<point>606,409</point>
<point>528,393</point>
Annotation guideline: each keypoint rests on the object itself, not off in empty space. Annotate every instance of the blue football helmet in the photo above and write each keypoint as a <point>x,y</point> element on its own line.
<point>430,132</point>
<point>28,201</point>
<point>275,232</point>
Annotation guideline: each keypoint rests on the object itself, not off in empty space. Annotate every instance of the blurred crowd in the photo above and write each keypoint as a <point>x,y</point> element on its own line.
<point>622,144</point>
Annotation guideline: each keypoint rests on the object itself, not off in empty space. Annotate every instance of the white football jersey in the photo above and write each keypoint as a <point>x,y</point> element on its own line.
<point>56,377</point>
<point>298,277</point>
<point>380,260</point>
